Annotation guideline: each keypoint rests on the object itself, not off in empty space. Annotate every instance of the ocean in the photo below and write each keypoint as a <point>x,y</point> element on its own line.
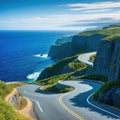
<point>23,54</point>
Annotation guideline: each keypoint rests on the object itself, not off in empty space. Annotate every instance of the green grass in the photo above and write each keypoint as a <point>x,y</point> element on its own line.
<point>23,103</point>
<point>5,89</point>
<point>54,79</point>
<point>92,57</point>
<point>95,77</point>
<point>7,112</point>
<point>75,65</point>
<point>112,37</point>
<point>105,87</point>
<point>107,31</point>
<point>57,68</point>
<point>54,89</point>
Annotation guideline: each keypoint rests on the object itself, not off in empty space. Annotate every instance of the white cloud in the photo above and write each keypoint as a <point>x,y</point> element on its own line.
<point>98,6</point>
<point>62,21</point>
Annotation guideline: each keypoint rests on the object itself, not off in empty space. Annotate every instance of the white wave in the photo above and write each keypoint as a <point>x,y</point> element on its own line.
<point>34,75</point>
<point>41,55</point>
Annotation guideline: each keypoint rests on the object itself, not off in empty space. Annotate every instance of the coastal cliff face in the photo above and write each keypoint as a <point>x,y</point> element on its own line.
<point>59,51</point>
<point>107,61</point>
<point>79,44</point>
<point>86,41</point>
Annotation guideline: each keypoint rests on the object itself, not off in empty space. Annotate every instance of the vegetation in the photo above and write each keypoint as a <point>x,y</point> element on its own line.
<point>112,37</point>
<point>5,89</point>
<point>22,104</point>
<point>75,65</point>
<point>57,68</point>
<point>54,88</point>
<point>63,40</point>
<point>92,57</point>
<point>7,112</point>
<point>106,87</point>
<point>95,77</point>
<point>53,80</point>
<point>107,31</point>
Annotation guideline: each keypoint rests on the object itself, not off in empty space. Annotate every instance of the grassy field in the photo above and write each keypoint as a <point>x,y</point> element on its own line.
<point>107,31</point>
<point>7,112</point>
<point>112,37</point>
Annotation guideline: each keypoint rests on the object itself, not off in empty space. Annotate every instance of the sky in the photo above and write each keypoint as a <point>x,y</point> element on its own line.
<point>58,14</point>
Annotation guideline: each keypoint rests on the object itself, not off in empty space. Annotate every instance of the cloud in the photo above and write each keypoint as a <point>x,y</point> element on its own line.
<point>93,7</point>
<point>63,21</point>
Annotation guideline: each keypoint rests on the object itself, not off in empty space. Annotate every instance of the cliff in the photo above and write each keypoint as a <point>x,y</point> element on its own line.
<point>61,49</point>
<point>107,60</point>
<point>86,41</point>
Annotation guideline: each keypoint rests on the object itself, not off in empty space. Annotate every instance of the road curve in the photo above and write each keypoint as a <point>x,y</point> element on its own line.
<point>85,58</point>
<point>75,105</point>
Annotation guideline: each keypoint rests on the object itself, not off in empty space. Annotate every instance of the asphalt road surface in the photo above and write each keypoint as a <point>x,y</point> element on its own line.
<point>85,58</point>
<point>75,105</point>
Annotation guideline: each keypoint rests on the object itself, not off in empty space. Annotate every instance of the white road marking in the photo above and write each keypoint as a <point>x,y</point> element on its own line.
<point>33,100</point>
<point>99,107</point>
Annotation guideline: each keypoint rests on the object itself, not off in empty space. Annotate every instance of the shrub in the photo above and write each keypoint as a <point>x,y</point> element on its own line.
<point>95,77</point>
<point>92,57</point>
<point>75,65</point>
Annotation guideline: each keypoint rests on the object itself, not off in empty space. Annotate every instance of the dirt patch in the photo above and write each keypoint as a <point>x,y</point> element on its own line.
<point>27,110</point>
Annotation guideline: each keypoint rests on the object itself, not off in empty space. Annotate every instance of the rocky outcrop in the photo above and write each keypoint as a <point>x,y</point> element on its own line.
<point>59,51</point>
<point>107,60</point>
<point>86,43</point>
<point>116,98</point>
<point>15,99</point>
<point>110,97</point>
<point>78,44</point>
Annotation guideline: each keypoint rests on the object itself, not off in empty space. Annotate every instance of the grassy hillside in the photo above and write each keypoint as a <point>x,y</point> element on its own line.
<point>107,31</point>
<point>75,65</point>
<point>112,37</point>
<point>53,80</point>
<point>56,69</point>
<point>7,112</point>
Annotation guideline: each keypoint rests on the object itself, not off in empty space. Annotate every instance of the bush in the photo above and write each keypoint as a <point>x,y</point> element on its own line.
<point>106,87</point>
<point>92,57</point>
<point>75,65</point>
<point>96,94</point>
<point>95,77</point>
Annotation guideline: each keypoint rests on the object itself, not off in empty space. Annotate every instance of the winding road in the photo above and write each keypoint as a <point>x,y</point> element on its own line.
<point>75,105</point>
<point>86,58</point>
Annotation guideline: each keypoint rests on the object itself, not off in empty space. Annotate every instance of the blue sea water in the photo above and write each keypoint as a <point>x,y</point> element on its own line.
<point>20,53</point>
